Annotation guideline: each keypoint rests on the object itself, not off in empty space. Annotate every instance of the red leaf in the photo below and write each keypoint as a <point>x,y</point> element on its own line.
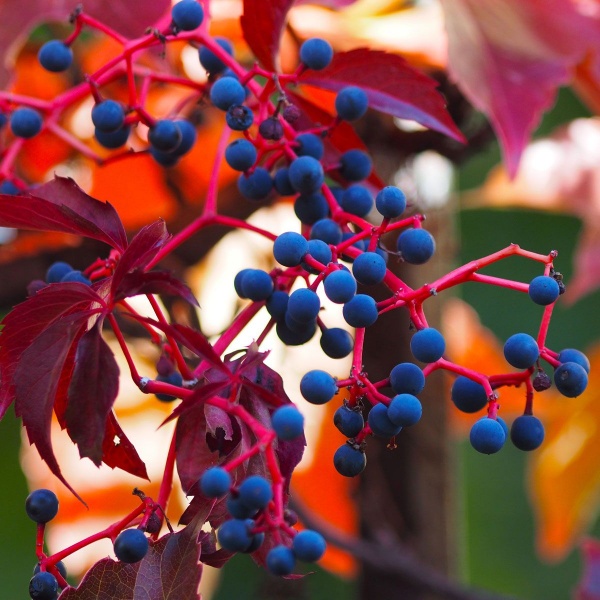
<point>589,585</point>
<point>60,205</point>
<point>190,338</point>
<point>37,378</point>
<point>92,393</point>
<point>262,25</point>
<point>342,138</point>
<point>27,320</point>
<point>129,18</point>
<point>170,571</point>
<point>119,452</point>
<point>141,250</point>
<point>155,282</point>
<point>511,73</point>
<point>392,85</point>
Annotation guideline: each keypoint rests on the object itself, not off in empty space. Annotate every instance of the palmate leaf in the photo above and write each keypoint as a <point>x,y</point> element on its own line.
<point>392,85</point>
<point>61,205</point>
<point>170,571</point>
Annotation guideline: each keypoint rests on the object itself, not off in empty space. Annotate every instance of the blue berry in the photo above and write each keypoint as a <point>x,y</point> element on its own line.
<point>290,248</point>
<point>75,276</point>
<point>55,56</point>
<point>210,61</point>
<point>521,351</point>
<point>215,482</point>
<point>316,53</point>
<point>108,116</point>
<point>237,282</point>
<point>271,129</point>
<point>43,586</point>
<point>174,378</point>
<point>369,268</point>
<point>416,246</point>
<point>239,117</point>
<point>3,119</point>
<point>277,304</point>
<point>56,271</point>
<point>309,144</point>
<point>131,545</point>
<point>357,200</point>
<point>187,15</point>
<point>255,185</point>
<point>257,539</point>
<point>234,535</point>
<point>355,165</point>
<point>543,290</point>
<point>287,422</point>
<point>527,432</point>
<point>487,436</point>
<point>428,345</point>
<point>576,356</point>
<point>25,122</point>
<point>303,305</point>
<point>255,492</point>
<point>41,505</point>
<point>407,378</point>
<point>349,460</point>
<point>306,174</point>
<point>340,286</point>
<point>280,560</point>
<point>570,379</point>
<point>308,545</point>
<point>320,251</point>
<point>299,326</point>
<point>281,182</point>
<point>9,188</point>
<point>381,424</point>
<point>360,311</point>
<point>318,387</point>
<point>188,137</point>
<point>295,338</point>
<point>336,342</point>
<point>310,208</point>
<point>113,139</point>
<point>468,395</point>
<point>351,103</point>
<point>404,410</point>
<point>390,202</point>
<point>240,155</point>
<point>164,135</point>
<point>227,92</point>
<point>237,509</point>
<point>350,422</point>
<point>256,284</point>
<point>326,230</point>
<point>164,159</point>
<point>60,567</point>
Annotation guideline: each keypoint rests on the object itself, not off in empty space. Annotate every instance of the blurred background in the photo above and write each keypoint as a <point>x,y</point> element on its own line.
<point>510,523</point>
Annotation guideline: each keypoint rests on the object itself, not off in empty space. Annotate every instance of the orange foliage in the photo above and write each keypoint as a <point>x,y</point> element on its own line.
<point>328,495</point>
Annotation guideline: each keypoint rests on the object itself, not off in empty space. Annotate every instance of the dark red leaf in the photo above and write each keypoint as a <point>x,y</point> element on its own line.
<point>217,418</point>
<point>37,377</point>
<point>60,205</point>
<point>92,393</point>
<point>28,319</point>
<point>119,452</point>
<point>262,24</point>
<point>342,138</point>
<point>141,250</point>
<point>209,553</point>
<point>392,85</point>
<point>155,282</point>
<point>170,571</point>
<point>190,338</point>
<point>198,398</point>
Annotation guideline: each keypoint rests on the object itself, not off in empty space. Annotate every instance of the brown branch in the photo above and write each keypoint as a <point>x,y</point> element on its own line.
<point>397,560</point>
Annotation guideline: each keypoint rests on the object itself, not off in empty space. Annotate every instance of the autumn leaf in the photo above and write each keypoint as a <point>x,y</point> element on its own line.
<point>510,57</point>
<point>559,173</point>
<point>169,571</point>
<point>391,84</point>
